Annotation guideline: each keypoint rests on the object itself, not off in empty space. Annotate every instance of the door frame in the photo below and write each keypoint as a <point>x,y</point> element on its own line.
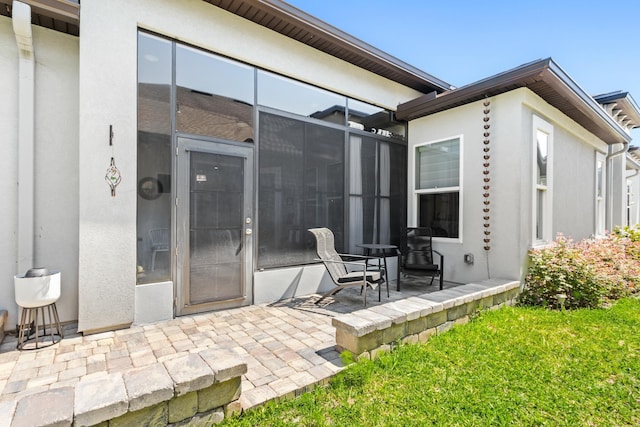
<point>184,146</point>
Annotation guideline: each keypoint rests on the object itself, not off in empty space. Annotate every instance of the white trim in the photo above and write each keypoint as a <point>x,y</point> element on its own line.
<point>438,190</point>
<point>628,195</point>
<point>539,124</point>
<point>413,215</point>
<point>600,202</point>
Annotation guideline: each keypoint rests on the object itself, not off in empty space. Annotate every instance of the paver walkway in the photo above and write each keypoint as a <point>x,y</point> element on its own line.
<point>287,347</point>
<point>285,350</point>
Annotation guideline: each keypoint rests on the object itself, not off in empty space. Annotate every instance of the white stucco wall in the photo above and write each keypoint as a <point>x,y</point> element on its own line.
<point>574,162</point>
<point>9,166</point>
<point>511,119</point>
<point>506,165</point>
<point>55,163</point>
<point>633,176</point>
<point>574,190</point>
<point>107,238</point>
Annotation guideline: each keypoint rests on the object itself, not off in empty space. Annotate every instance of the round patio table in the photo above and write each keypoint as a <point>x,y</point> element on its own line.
<point>381,250</point>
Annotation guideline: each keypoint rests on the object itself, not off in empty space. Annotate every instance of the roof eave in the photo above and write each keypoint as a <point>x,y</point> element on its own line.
<point>58,15</point>
<point>278,16</point>
<point>632,162</point>
<point>588,106</point>
<point>624,102</point>
<point>545,72</point>
<point>314,32</point>
<point>64,10</point>
<point>357,44</point>
<point>430,104</point>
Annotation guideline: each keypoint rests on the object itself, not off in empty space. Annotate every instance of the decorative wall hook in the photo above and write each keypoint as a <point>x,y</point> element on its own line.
<point>113,177</point>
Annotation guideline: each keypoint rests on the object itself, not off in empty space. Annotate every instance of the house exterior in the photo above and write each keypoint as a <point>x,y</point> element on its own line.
<point>535,156</point>
<point>624,109</point>
<point>170,156</point>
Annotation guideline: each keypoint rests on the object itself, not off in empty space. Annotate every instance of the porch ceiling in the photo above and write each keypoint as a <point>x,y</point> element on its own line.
<point>545,78</point>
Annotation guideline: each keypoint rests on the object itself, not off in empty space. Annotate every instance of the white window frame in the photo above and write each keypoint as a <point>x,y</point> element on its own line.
<point>631,212</point>
<point>600,200</point>
<point>541,125</point>
<point>459,188</point>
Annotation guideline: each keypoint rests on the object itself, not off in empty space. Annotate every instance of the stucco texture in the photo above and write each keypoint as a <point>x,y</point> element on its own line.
<point>511,185</point>
<point>108,49</point>
<point>55,162</point>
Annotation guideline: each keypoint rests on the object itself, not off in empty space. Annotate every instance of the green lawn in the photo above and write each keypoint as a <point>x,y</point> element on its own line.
<point>513,366</point>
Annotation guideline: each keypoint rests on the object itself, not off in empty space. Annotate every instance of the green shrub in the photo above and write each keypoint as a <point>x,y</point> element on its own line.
<point>590,273</point>
<point>632,236</point>
<point>632,233</point>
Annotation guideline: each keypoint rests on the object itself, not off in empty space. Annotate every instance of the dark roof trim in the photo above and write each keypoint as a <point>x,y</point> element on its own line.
<point>64,16</point>
<point>59,15</point>
<point>65,10</point>
<point>305,28</point>
<point>545,78</point>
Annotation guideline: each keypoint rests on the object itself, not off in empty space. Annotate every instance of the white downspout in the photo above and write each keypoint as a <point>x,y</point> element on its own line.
<point>21,14</point>
<point>609,194</point>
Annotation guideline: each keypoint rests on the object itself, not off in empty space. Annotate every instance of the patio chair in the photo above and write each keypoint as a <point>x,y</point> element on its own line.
<point>417,254</point>
<point>337,267</point>
<point>159,243</point>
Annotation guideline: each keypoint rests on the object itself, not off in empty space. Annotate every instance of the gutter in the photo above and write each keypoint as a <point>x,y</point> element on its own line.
<point>543,77</point>
<point>21,18</point>
<point>353,44</point>
<point>589,106</point>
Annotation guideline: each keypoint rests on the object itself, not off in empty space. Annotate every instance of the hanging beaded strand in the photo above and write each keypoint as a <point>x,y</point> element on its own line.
<point>487,178</point>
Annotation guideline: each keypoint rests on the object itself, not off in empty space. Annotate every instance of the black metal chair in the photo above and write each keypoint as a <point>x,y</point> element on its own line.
<point>417,254</point>
<point>337,267</point>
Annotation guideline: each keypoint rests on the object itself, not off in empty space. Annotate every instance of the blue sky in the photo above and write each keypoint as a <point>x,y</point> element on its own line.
<point>462,41</point>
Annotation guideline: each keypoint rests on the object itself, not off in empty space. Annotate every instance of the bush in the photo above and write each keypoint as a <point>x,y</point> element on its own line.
<point>632,236</point>
<point>632,233</point>
<point>590,273</point>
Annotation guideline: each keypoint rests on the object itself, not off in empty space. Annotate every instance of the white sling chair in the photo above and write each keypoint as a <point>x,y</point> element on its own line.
<point>337,267</point>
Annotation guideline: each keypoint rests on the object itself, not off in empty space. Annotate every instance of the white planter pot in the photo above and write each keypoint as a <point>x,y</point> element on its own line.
<point>37,291</point>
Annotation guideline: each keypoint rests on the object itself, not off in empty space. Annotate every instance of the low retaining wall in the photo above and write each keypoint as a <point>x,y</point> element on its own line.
<point>369,331</point>
<point>202,386</point>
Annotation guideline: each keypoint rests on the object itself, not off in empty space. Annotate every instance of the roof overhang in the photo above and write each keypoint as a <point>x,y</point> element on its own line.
<point>304,28</point>
<point>59,15</point>
<point>281,17</point>
<point>622,107</point>
<point>543,77</point>
<point>633,158</point>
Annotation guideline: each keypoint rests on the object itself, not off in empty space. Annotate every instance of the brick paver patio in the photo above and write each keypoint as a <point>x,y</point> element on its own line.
<point>285,350</point>
<point>288,348</point>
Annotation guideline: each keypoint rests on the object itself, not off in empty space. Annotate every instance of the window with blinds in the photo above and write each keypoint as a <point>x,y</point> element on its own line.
<point>437,187</point>
<point>438,165</point>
